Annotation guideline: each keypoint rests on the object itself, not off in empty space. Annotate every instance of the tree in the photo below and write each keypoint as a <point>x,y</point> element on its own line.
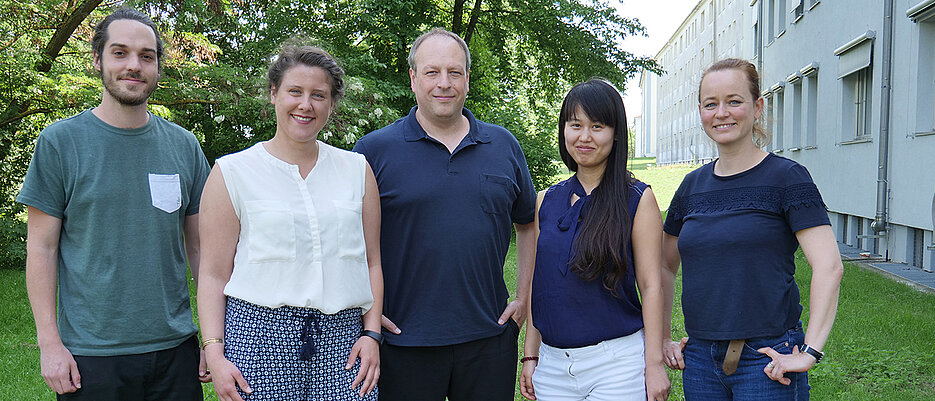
<point>525,55</point>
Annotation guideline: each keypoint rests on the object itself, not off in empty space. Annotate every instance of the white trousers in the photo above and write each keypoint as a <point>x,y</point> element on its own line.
<point>612,370</point>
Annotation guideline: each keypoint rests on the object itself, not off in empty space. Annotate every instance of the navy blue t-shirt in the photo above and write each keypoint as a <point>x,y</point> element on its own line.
<point>446,227</point>
<point>568,311</point>
<point>737,243</point>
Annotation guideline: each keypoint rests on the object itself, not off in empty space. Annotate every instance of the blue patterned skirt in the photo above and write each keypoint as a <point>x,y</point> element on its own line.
<point>291,353</point>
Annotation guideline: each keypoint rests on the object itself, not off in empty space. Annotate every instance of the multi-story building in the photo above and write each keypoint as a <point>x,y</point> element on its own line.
<point>850,94</point>
<point>647,133</point>
<point>850,89</point>
<point>713,30</point>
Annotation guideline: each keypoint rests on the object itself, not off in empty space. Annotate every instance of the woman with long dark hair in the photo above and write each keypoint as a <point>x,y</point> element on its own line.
<point>599,239</point>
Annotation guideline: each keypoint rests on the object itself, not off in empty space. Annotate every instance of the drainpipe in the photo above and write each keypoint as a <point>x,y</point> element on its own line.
<point>879,222</point>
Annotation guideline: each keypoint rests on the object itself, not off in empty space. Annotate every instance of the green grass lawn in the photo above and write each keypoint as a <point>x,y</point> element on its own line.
<point>881,346</point>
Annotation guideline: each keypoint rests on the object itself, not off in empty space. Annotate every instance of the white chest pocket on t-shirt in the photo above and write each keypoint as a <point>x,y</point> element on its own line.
<point>166,192</point>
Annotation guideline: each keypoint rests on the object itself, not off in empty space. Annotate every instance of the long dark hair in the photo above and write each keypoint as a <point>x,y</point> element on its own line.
<point>601,244</point>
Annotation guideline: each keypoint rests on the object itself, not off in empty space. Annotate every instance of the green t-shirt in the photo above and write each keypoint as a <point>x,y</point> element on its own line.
<point>122,195</point>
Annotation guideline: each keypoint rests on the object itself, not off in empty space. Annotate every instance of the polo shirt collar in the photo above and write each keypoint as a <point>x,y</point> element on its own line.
<point>416,132</point>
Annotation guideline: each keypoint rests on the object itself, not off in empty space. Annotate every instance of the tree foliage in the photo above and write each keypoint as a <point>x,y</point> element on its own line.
<point>525,55</point>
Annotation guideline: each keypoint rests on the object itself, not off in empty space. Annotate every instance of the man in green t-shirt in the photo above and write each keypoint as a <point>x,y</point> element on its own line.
<point>112,196</point>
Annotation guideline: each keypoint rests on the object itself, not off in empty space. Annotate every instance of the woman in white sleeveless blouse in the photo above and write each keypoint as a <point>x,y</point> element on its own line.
<point>290,291</point>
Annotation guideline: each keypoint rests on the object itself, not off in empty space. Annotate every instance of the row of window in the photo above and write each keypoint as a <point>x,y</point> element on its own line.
<point>802,98</point>
<point>856,75</point>
<point>776,15</point>
<point>793,104</point>
<point>799,92</point>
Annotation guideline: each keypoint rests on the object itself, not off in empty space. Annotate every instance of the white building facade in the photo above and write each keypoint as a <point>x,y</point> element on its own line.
<point>850,89</point>
<point>648,131</point>
<point>715,29</point>
<point>850,94</point>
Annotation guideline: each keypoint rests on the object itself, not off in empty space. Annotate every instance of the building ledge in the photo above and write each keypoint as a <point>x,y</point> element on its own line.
<point>924,133</point>
<point>860,139</point>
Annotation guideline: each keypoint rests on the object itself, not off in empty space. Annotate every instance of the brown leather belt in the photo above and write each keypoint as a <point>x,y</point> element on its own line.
<point>732,356</point>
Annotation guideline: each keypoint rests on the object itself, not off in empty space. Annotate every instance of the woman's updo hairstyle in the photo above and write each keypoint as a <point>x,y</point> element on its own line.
<point>761,136</point>
<point>311,56</point>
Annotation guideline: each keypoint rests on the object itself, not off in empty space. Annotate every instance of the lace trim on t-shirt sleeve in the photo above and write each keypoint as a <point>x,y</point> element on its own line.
<point>802,195</point>
<point>675,209</point>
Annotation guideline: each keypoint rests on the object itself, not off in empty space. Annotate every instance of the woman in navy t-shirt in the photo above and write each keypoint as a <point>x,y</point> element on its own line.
<point>735,224</point>
<point>599,238</point>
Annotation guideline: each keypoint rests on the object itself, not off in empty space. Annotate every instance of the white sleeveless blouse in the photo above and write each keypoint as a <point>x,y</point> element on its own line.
<point>301,240</point>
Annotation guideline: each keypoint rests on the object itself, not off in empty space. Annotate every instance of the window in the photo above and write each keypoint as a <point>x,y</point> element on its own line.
<point>770,20</point>
<point>798,11</point>
<point>858,89</point>
<point>856,74</point>
<point>768,105</point>
<point>780,11</point>
<point>796,122</point>
<point>813,3</point>
<point>923,15</point>
<point>757,33</point>
<point>810,87</point>
<point>778,129</point>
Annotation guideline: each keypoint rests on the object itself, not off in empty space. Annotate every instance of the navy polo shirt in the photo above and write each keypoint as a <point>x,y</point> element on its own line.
<point>446,227</point>
<point>568,311</point>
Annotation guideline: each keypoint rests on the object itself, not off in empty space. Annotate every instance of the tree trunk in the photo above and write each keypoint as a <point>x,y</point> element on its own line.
<point>15,111</point>
<point>457,18</point>
<point>472,25</point>
<point>64,32</point>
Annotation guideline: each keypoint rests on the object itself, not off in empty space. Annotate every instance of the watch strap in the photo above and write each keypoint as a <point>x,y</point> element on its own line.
<point>374,335</point>
<point>813,352</point>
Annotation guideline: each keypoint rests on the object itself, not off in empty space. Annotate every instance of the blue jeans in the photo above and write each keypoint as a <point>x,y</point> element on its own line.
<point>704,378</point>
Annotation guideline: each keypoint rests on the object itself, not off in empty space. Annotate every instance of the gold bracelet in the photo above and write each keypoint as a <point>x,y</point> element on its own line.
<point>212,340</point>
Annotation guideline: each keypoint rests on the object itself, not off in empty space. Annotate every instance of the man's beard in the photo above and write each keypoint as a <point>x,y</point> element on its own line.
<point>125,97</point>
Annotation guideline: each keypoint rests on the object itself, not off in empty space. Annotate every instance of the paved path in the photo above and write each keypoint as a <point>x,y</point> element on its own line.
<point>914,276</point>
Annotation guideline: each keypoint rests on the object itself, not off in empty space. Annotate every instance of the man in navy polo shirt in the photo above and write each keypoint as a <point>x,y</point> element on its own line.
<point>450,188</point>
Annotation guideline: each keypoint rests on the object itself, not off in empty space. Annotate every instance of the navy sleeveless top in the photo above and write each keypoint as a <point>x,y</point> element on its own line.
<point>570,312</point>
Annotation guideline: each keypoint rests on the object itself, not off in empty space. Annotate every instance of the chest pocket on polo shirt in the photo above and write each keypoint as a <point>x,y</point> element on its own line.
<point>349,216</point>
<point>497,193</point>
<point>165,190</point>
<point>272,231</point>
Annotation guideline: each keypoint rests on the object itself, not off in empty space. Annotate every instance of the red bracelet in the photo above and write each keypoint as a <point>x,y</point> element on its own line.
<point>529,358</point>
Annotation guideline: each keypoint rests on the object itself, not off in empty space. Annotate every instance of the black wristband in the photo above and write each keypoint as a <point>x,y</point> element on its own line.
<point>813,352</point>
<point>374,335</point>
